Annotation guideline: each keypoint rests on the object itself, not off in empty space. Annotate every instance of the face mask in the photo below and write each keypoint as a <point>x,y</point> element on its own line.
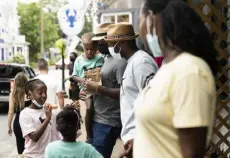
<point>72,59</point>
<point>103,48</point>
<point>152,41</point>
<point>36,103</point>
<point>114,54</point>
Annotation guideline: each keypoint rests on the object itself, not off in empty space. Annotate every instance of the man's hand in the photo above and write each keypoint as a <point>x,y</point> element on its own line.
<point>128,153</point>
<point>91,86</point>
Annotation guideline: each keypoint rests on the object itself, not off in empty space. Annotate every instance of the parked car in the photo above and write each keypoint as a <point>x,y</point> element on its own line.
<point>7,73</point>
<point>58,64</point>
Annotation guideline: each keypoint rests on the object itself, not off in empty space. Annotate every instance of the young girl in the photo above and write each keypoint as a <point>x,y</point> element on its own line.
<point>68,121</point>
<point>17,103</point>
<point>37,122</point>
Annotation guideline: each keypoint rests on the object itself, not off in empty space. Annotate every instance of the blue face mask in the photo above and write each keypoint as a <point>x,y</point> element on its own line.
<point>36,103</point>
<point>152,40</point>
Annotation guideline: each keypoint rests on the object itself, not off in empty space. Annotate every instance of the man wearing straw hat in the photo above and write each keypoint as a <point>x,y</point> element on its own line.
<point>122,44</point>
<point>106,125</point>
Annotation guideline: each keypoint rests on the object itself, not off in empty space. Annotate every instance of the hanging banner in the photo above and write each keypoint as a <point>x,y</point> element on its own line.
<point>73,42</point>
<point>71,19</point>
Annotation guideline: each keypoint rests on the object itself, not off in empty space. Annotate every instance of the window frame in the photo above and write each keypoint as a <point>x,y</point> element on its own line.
<point>116,16</point>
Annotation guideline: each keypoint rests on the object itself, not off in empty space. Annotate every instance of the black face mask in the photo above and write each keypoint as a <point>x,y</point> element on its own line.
<point>72,59</point>
<point>103,48</point>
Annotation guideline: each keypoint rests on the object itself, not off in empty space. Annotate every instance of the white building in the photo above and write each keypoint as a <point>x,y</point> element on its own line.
<point>11,42</point>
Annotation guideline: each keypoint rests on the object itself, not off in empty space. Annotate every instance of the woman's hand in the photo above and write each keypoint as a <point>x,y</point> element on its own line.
<point>10,131</point>
<point>48,111</point>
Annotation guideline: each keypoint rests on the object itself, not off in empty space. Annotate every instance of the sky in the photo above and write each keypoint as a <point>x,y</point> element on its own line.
<point>23,1</point>
<point>15,1</point>
<point>28,1</point>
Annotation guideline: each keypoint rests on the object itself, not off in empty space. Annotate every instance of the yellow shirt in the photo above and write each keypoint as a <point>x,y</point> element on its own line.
<point>181,95</point>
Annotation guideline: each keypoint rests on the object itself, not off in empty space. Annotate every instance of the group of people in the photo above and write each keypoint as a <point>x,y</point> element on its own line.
<point>160,103</point>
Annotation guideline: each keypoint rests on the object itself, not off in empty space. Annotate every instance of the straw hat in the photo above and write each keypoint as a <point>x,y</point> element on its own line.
<point>120,32</point>
<point>101,31</point>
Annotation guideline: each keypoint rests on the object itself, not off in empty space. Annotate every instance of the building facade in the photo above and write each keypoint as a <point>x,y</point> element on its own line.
<point>11,42</point>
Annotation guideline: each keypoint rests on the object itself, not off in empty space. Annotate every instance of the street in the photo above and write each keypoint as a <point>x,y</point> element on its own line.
<point>8,144</point>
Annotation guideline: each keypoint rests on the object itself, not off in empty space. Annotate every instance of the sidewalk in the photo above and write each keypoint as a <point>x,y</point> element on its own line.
<point>118,147</point>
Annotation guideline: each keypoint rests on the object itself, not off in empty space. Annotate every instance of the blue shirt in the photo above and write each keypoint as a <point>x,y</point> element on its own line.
<point>61,149</point>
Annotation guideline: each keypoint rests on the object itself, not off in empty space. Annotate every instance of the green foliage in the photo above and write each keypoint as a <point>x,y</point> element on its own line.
<point>88,23</point>
<point>52,5</point>
<point>20,59</point>
<point>53,61</point>
<point>33,65</point>
<point>30,27</point>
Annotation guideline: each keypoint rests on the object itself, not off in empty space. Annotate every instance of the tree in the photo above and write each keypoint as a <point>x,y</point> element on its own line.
<point>52,5</point>
<point>18,59</point>
<point>30,27</point>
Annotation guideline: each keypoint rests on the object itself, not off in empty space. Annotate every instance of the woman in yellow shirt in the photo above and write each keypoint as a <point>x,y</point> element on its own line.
<point>175,111</point>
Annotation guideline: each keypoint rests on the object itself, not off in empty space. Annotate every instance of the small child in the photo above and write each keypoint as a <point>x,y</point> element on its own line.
<point>68,121</point>
<point>38,123</point>
<point>87,61</point>
<point>90,59</point>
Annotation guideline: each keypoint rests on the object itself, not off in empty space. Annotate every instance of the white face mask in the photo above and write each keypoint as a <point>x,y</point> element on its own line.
<point>36,103</point>
<point>114,54</point>
<point>152,40</point>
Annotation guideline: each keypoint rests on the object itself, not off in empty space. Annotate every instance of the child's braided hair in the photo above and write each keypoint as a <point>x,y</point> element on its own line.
<point>68,121</point>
